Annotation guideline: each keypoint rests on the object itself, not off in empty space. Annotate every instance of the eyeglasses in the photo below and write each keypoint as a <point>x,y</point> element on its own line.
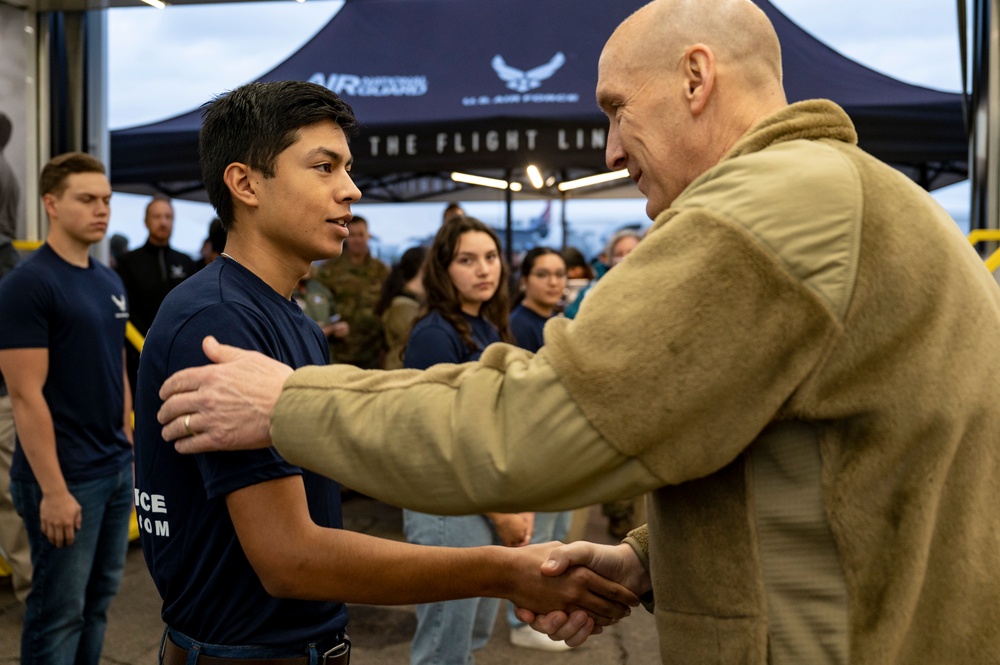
<point>545,274</point>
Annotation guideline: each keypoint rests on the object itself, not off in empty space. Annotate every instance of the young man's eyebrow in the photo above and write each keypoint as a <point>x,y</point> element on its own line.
<point>332,154</point>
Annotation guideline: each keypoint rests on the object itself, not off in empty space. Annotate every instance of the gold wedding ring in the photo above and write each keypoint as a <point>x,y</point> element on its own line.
<point>187,424</point>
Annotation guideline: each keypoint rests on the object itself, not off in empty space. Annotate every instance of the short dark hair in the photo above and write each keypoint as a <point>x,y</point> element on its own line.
<point>6,129</point>
<point>403,271</point>
<point>453,209</point>
<point>217,236</point>
<point>255,123</point>
<point>59,168</point>
<point>574,258</point>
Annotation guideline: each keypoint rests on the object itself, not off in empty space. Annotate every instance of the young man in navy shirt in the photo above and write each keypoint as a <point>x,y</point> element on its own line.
<point>62,354</point>
<point>245,549</point>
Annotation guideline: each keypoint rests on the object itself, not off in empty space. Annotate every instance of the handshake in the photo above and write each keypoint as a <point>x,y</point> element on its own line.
<point>594,585</point>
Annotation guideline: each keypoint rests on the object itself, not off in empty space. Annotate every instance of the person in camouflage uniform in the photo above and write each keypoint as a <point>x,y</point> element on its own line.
<point>355,280</point>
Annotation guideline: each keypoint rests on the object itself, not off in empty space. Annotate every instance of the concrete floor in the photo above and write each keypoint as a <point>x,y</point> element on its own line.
<point>380,635</point>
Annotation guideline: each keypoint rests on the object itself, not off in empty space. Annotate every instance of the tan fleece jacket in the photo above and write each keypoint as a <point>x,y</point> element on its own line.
<point>803,340</point>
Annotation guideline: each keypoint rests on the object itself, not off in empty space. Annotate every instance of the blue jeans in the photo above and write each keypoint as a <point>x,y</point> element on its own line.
<point>196,649</point>
<point>548,527</point>
<point>448,632</point>
<point>67,610</point>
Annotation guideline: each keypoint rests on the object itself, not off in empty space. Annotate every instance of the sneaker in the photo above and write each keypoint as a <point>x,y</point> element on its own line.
<point>529,638</point>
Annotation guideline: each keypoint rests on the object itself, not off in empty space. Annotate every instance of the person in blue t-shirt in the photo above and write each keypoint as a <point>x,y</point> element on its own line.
<point>465,286</point>
<point>62,355</point>
<point>542,284</point>
<point>246,549</point>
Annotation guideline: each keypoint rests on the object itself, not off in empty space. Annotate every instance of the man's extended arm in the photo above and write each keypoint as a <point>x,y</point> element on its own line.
<point>296,558</point>
<point>501,447</point>
<point>25,371</point>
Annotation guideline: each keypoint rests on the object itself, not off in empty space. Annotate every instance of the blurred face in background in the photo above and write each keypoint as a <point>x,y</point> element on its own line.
<point>621,250</point>
<point>160,222</point>
<point>356,244</point>
<point>475,270</point>
<point>545,284</point>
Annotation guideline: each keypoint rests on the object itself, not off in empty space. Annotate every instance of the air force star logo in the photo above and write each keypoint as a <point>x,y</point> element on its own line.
<point>524,81</point>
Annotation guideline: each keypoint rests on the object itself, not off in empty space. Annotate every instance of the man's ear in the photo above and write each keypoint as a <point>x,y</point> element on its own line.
<point>699,76</point>
<point>239,179</point>
<point>49,203</point>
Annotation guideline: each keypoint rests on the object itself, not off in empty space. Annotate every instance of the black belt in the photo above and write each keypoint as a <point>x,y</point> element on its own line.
<point>175,655</point>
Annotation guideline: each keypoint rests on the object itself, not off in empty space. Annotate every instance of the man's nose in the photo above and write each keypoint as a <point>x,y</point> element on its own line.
<point>614,154</point>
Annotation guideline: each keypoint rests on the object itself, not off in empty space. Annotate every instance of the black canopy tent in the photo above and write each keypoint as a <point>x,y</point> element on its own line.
<point>489,87</point>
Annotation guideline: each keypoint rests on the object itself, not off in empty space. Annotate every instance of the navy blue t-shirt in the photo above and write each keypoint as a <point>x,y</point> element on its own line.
<point>434,340</point>
<point>79,315</point>
<point>527,326</point>
<point>210,591</point>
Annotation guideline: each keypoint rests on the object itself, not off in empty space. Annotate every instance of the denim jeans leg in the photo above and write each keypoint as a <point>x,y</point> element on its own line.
<point>108,568</point>
<point>444,633</point>
<point>56,617</point>
<point>483,621</point>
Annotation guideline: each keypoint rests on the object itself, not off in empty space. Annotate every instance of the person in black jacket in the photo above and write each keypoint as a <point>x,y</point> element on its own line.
<point>150,272</point>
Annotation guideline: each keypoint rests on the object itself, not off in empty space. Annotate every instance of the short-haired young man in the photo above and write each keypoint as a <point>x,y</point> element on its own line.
<point>246,549</point>
<point>61,352</point>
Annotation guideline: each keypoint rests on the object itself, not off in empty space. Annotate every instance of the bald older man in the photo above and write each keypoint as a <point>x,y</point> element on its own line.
<point>806,401</point>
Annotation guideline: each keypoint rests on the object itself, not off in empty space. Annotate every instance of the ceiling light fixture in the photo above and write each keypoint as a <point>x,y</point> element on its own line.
<point>535,176</point>
<point>155,3</point>
<point>592,180</point>
<point>483,181</point>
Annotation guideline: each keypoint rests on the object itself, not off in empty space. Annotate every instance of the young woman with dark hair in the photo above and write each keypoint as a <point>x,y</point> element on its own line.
<point>465,286</point>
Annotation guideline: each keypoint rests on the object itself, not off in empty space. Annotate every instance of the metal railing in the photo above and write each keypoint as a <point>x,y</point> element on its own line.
<point>987,235</point>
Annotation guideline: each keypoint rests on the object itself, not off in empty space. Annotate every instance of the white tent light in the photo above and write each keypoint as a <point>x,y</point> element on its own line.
<point>483,181</point>
<point>535,176</point>
<point>592,180</point>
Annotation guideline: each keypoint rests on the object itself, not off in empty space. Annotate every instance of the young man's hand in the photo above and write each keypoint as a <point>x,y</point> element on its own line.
<point>61,517</point>
<point>575,588</point>
<point>616,562</point>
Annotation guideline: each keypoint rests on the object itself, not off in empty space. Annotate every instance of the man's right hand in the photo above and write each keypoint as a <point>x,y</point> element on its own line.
<point>618,563</point>
<point>61,517</point>
<point>223,406</point>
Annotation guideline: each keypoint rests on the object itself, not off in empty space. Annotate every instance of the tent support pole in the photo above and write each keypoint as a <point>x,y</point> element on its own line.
<point>509,228</point>
<point>563,222</point>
